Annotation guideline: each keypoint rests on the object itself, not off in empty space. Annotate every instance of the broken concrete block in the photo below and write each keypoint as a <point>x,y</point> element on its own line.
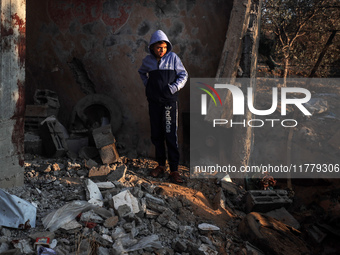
<point>206,228</point>
<point>271,235</point>
<point>111,222</point>
<point>93,193</point>
<point>53,138</point>
<point>266,200</point>
<point>285,217</point>
<point>105,185</point>
<point>118,174</point>
<point>124,211</point>
<point>91,216</point>
<point>151,214</point>
<point>72,226</point>
<point>155,207</point>
<point>109,154</point>
<point>180,246</point>
<point>230,187</point>
<point>154,199</point>
<point>165,217</point>
<point>101,172</point>
<point>24,246</point>
<point>103,136</point>
<point>46,97</point>
<point>207,250</point>
<point>126,198</point>
<point>172,225</point>
<point>42,111</point>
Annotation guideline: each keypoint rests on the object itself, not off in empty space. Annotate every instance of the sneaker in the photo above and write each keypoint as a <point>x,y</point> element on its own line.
<point>175,177</point>
<point>156,172</point>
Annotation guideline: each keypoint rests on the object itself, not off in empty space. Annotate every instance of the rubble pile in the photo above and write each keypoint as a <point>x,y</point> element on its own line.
<point>109,209</point>
<point>83,207</point>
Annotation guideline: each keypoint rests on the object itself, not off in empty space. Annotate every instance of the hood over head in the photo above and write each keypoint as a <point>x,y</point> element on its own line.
<point>157,36</point>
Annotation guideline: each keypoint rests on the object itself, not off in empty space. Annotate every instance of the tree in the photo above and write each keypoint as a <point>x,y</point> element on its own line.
<point>293,22</point>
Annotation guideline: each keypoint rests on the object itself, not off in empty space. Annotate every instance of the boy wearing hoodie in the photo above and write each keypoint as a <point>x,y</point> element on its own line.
<point>163,75</point>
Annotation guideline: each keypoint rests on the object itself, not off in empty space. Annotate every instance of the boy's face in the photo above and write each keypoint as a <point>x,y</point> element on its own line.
<point>160,49</point>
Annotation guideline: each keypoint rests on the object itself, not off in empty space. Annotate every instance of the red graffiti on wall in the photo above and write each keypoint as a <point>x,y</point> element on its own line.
<point>61,13</point>
<point>20,23</point>
<point>21,42</point>
<point>117,22</point>
<point>86,11</point>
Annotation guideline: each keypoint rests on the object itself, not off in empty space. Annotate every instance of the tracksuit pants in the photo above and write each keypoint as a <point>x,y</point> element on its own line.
<point>164,123</point>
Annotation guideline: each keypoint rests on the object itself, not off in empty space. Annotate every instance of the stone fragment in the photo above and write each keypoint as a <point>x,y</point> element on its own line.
<point>155,207</point>
<point>93,193</point>
<point>105,185</point>
<point>172,225</point>
<point>71,227</point>
<point>151,214</point>
<point>6,232</point>
<point>271,235</point>
<point>104,213</point>
<point>206,228</point>
<point>207,250</point>
<point>91,216</point>
<point>126,198</point>
<point>180,246</point>
<point>111,222</point>
<point>24,246</point>
<point>101,172</point>
<point>285,217</point>
<point>103,251</point>
<point>118,174</point>
<point>124,210</point>
<point>109,154</point>
<point>154,199</point>
<point>165,217</point>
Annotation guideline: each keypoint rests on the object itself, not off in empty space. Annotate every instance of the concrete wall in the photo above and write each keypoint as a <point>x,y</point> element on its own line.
<point>76,47</point>
<point>12,80</point>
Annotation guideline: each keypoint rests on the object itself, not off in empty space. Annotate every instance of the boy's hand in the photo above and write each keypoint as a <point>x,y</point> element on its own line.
<point>173,88</point>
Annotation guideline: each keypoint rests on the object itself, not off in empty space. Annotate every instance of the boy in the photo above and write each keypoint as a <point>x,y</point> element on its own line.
<point>163,75</point>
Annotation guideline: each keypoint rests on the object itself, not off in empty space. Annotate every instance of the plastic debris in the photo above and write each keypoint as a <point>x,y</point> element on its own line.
<point>16,212</point>
<point>46,251</point>
<point>65,214</point>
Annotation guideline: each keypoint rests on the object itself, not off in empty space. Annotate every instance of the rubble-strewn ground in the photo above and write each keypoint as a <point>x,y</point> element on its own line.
<point>169,216</point>
<point>52,183</point>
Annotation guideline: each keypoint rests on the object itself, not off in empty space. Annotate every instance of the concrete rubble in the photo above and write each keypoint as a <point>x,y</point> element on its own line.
<point>118,209</point>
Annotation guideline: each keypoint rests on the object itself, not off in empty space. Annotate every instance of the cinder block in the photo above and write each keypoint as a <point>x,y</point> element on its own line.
<point>103,136</point>
<point>46,97</point>
<point>40,111</point>
<point>54,143</point>
<point>266,200</point>
<point>109,154</point>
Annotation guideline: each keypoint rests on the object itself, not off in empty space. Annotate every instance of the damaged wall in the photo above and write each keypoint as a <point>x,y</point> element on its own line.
<point>12,80</point>
<point>76,48</point>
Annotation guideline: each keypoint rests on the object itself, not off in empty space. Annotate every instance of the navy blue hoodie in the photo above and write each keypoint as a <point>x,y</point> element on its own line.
<point>162,80</point>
